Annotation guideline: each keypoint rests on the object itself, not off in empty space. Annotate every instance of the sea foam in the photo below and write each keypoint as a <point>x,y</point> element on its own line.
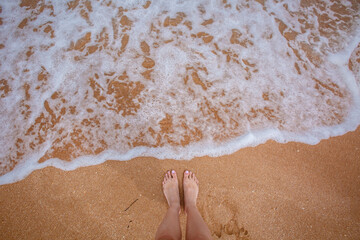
<point>86,81</point>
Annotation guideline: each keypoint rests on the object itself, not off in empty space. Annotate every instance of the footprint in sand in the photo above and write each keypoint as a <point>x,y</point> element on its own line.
<point>231,229</point>
<point>224,218</point>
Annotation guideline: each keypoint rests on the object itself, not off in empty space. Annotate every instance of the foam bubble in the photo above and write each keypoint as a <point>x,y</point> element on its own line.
<point>83,82</point>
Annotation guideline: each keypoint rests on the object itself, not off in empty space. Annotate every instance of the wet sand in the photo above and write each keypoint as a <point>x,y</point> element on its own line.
<point>272,191</point>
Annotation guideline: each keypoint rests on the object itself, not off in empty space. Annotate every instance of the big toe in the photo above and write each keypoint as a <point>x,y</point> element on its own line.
<point>173,174</point>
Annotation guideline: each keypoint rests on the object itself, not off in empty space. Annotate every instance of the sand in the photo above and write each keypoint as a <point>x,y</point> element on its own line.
<point>272,191</point>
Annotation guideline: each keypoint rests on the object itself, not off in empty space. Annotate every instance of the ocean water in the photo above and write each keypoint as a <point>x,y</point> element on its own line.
<point>86,81</point>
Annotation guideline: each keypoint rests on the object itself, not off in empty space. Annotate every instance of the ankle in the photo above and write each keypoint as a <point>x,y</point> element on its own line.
<point>175,207</point>
<point>190,207</point>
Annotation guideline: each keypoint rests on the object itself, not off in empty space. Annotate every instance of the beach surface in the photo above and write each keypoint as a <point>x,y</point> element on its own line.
<point>272,191</point>
<point>105,83</point>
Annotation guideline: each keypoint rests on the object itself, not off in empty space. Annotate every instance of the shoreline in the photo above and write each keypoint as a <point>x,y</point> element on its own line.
<point>249,140</point>
<point>272,191</point>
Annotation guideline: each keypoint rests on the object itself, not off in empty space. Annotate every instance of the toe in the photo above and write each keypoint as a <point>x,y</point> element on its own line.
<point>167,175</point>
<point>173,173</point>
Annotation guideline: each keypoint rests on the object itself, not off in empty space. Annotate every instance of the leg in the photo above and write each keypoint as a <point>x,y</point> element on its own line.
<point>170,226</point>
<point>196,228</point>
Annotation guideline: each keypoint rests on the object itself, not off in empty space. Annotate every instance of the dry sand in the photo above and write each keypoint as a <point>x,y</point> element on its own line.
<point>273,191</point>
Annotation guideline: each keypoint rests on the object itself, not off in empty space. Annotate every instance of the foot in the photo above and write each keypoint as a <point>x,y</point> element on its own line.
<point>191,189</point>
<point>171,189</point>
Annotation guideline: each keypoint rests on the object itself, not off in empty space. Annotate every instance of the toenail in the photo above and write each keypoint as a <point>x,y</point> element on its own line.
<point>187,172</point>
<point>173,171</point>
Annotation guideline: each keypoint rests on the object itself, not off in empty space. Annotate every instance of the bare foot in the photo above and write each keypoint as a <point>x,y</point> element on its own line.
<point>191,189</point>
<point>171,189</point>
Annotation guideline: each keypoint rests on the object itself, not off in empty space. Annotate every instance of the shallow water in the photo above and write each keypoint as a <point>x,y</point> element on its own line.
<point>86,81</point>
